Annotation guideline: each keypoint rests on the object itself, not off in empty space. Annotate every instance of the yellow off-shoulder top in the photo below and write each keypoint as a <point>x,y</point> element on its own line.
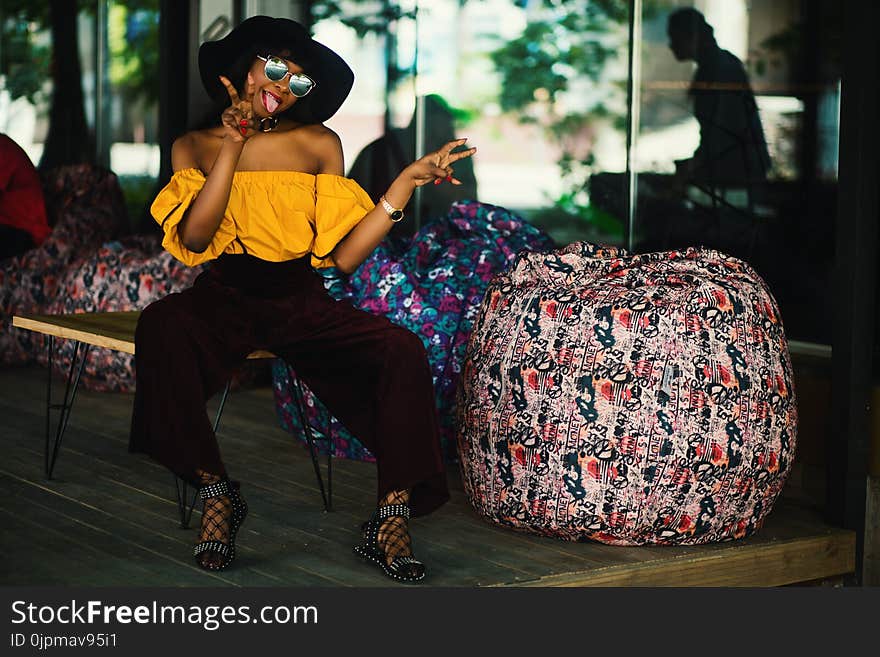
<point>272,215</point>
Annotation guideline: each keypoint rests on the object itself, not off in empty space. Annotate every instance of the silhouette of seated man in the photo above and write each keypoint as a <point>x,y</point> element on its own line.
<point>379,163</point>
<point>732,150</point>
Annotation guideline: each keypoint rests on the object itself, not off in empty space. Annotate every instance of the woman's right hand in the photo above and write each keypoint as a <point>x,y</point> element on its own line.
<point>238,118</point>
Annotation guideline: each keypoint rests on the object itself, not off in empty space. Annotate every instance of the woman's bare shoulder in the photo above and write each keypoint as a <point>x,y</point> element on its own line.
<point>326,146</point>
<point>192,149</point>
<point>319,130</point>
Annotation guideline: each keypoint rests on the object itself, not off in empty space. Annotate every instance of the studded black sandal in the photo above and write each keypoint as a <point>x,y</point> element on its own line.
<point>225,510</point>
<point>404,567</point>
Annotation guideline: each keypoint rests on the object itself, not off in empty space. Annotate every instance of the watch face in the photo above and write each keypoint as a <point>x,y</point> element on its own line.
<point>397,215</point>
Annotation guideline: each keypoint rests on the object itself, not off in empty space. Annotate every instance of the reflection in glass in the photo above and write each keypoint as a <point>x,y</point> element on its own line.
<point>379,163</point>
<point>538,87</point>
<point>737,140</point>
<point>98,100</point>
<point>732,150</point>
<point>563,81</point>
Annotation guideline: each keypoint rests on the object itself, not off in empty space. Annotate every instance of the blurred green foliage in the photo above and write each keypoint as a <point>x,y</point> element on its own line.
<point>26,55</point>
<point>566,40</point>
<point>566,45</point>
<point>24,62</point>
<point>133,40</point>
<point>367,17</point>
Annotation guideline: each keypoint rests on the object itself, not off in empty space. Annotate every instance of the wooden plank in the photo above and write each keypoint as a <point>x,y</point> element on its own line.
<point>115,332</point>
<point>461,563</point>
<point>292,538</point>
<point>273,527</point>
<point>302,536</point>
<point>90,515</point>
<point>322,543</point>
<point>32,563</point>
<point>302,544</point>
<point>106,495</point>
<point>109,547</point>
<point>773,564</point>
<point>85,562</point>
<point>109,330</point>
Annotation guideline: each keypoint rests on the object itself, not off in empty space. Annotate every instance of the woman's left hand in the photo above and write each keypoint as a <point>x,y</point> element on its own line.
<point>437,166</point>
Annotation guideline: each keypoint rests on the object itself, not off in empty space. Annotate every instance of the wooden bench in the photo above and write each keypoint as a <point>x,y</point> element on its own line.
<point>115,330</point>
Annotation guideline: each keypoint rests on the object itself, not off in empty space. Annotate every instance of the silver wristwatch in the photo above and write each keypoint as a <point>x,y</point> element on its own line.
<point>395,214</point>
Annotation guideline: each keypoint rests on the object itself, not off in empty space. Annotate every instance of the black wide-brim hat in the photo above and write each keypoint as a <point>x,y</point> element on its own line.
<point>333,76</point>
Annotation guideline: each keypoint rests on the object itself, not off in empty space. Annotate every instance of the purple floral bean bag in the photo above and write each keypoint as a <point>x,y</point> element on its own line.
<point>627,399</point>
<point>431,285</point>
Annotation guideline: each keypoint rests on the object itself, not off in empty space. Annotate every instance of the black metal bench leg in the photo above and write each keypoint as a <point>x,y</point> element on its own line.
<point>185,511</point>
<point>64,408</point>
<point>329,438</point>
<point>181,487</point>
<point>310,439</point>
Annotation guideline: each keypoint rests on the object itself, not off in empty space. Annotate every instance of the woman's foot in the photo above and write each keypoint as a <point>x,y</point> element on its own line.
<point>386,540</point>
<point>224,511</point>
<point>394,536</point>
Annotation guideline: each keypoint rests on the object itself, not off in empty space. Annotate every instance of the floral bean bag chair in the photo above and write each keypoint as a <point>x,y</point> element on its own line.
<point>627,399</point>
<point>82,267</point>
<point>432,285</point>
<point>85,208</point>
<point>121,275</point>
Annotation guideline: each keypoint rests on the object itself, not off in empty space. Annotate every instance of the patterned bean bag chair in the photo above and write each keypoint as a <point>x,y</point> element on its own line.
<point>627,399</point>
<point>122,275</point>
<point>85,208</point>
<point>81,267</point>
<point>431,284</point>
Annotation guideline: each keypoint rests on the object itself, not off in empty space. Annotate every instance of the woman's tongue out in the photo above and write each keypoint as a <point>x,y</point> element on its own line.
<point>270,101</point>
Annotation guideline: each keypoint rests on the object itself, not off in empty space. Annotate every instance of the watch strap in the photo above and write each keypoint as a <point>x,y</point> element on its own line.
<point>395,214</point>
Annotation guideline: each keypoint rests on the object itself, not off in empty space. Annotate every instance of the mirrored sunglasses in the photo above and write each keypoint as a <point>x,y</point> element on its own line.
<point>276,69</point>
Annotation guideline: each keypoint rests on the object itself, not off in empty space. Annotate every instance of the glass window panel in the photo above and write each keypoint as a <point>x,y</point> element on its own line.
<point>736,147</point>
<point>25,84</point>
<point>118,53</point>
<point>361,119</point>
<point>130,121</point>
<point>539,88</point>
<point>378,40</point>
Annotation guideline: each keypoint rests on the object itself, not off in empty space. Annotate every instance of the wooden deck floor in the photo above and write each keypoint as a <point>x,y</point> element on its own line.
<point>109,518</point>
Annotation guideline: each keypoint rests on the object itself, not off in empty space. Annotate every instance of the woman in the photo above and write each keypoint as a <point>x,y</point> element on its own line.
<point>263,197</point>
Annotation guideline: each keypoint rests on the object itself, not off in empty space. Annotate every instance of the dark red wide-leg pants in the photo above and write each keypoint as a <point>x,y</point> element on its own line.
<point>371,374</point>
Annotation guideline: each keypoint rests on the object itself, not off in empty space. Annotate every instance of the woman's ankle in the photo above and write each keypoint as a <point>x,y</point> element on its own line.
<point>395,497</point>
<point>207,478</point>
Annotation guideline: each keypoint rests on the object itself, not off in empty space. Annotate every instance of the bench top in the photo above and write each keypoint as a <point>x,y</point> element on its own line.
<point>110,330</point>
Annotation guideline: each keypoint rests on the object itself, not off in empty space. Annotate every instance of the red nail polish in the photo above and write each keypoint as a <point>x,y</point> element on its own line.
<point>243,131</point>
<point>243,123</point>
<point>437,181</point>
